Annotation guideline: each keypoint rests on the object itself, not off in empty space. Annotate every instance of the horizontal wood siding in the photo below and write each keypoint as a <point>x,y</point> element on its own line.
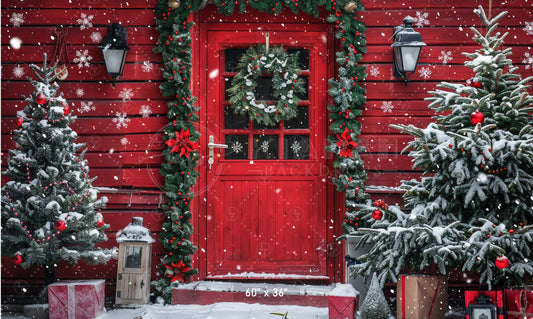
<point>126,158</point>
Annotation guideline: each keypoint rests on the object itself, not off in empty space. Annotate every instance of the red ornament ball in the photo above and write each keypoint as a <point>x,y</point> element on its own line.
<point>377,214</point>
<point>477,117</point>
<point>501,262</point>
<point>61,225</point>
<point>66,109</point>
<point>99,222</point>
<point>40,98</point>
<point>17,259</point>
<point>19,121</point>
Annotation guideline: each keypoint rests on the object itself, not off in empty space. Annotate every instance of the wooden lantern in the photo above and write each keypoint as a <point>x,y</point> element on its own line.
<point>134,263</point>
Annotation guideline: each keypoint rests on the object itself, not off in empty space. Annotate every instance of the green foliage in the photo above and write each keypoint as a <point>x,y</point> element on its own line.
<point>473,203</point>
<point>49,206</point>
<point>375,305</point>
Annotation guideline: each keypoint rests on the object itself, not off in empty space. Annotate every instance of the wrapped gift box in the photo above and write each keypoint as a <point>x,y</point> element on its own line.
<point>421,297</point>
<point>496,298</point>
<point>519,303</point>
<point>343,302</point>
<point>82,299</point>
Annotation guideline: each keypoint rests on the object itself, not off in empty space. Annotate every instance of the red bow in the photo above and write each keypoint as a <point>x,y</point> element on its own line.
<point>346,144</point>
<point>182,144</point>
<point>179,271</point>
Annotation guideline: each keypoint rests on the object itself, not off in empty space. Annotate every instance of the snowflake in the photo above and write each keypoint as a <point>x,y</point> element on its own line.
<point>96,37</point>
<point>529,28</point>
<point>145,110</point>
<point>122,120</point>
<point>18,71</point>
<point>80,92</point>
<point>445,56</point>
<point>82,58</point>
<point>387,107</point>
<point>86,107</point>
<point>528,60</point>
<point>17,19</point>
<point>421,19</point>
<point>265,146</point>
<point>296,147</point>
<point>126,94</point>
<point>147,66</point>
<point>374,70</point>
<point>85,21</point>
<point>425,72</point>
<point>236,147</point>
<point>124,141</point>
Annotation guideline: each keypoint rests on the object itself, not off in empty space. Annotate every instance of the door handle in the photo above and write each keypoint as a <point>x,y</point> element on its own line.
<point>212,145</point>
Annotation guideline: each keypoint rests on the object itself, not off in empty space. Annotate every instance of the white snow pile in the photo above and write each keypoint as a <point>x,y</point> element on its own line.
<point>344,290</point>
<point>135,232</point>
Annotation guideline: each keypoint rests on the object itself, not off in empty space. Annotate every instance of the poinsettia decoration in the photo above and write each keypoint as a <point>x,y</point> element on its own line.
<point>182,143</point>
<point>346,144</point>
<point>177,271</point>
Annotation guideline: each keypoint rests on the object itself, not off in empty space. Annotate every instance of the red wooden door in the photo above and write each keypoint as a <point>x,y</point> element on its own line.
<point>266,192</point>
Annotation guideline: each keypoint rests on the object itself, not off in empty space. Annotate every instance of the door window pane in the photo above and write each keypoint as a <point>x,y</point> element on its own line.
<point>232,57</point>
<point>301,121</point>
<point>237,147</point>
<point>296,147</point>
<point>265,146</point>
<point>233,120</point>
<point>303,57</point>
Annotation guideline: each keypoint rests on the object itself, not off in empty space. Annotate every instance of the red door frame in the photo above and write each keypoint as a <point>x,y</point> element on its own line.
<point>334,200</point>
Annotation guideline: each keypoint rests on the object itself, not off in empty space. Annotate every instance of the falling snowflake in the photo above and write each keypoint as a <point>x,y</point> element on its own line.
<point>82,58</point>
<point>145,110</point>
<point>528,60</point>
<point>124,141</point>
<point>529,28</point>
<point>18,71</point>
<point>387,107</point>
<point>445,56</point>
<point>374,70</point>
<point>296,147</point>
<point>421,19</point>
<point>96,37</point>
<point>265,145</point>
<point>236,147</point>
<point>85,21</point>
<point>147,67</point>
<point>425,72</point>
<point>86,107</point>
<point>17,19</point>
<point>122,120</point>
<point>80,92</point>
<point>126,94</point>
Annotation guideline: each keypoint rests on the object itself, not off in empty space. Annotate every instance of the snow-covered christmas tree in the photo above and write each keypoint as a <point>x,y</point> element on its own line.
<point>49,206</point>
<point>473,207</point>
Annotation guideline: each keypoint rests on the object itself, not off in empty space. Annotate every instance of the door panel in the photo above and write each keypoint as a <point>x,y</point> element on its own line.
<point>266,208</point>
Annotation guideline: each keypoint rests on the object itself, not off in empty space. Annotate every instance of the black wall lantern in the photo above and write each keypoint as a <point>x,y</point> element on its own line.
<point>114,48</point>
<point>482,310</point>
<point>406,48</point>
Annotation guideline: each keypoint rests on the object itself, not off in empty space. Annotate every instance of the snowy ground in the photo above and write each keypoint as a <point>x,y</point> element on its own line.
<point>222,310</point>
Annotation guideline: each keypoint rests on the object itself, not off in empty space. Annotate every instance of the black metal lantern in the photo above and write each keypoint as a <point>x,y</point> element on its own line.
<point>482,310</point>
<point>406,48</point>
<point>114,48</point>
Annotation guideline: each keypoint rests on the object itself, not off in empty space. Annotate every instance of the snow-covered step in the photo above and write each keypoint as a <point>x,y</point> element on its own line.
<point>209,292</point>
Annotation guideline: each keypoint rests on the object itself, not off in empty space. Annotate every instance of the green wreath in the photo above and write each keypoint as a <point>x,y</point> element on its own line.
<point>285,83</point>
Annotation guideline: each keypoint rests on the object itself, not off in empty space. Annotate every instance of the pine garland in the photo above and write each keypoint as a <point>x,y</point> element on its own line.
<point>179,167</point>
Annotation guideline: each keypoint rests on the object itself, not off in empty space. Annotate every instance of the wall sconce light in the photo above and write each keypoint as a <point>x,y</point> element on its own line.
<point>114,48</point>
<point>406,48</point>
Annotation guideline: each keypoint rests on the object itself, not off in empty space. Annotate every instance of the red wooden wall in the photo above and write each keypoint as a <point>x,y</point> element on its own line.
<point>126,158</point>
